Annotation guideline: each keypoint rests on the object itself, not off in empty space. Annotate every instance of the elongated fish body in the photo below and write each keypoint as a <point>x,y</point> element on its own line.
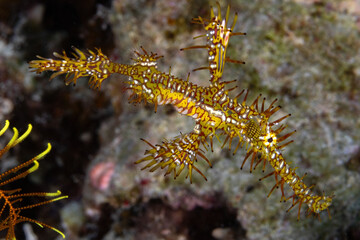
<point>214,111</point>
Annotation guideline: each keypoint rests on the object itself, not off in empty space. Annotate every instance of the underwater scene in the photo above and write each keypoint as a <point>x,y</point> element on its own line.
<point>179,119</point>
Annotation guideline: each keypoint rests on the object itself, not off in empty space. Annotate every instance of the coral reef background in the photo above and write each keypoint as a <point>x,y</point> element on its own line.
<point>303,52</point>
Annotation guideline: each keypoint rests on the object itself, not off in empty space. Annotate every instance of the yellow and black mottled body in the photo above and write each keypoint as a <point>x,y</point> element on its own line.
<point>211,107</point>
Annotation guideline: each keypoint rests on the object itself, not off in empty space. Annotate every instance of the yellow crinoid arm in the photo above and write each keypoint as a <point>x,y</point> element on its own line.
<point>10,213</point>
<point>6,126</point>
<point>15,138</point>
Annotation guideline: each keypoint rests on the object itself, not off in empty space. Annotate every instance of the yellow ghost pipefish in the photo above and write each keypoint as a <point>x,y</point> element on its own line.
<point>214,111</point>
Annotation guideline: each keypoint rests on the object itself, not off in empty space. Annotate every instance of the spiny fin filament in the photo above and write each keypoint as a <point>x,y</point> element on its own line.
<point>176,155</point>
<point>234,61</point>
<point>97,66</point>
<point>194,47</point>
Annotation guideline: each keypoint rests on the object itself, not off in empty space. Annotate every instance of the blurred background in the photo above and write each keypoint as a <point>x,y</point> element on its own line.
<point>303,52</point>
